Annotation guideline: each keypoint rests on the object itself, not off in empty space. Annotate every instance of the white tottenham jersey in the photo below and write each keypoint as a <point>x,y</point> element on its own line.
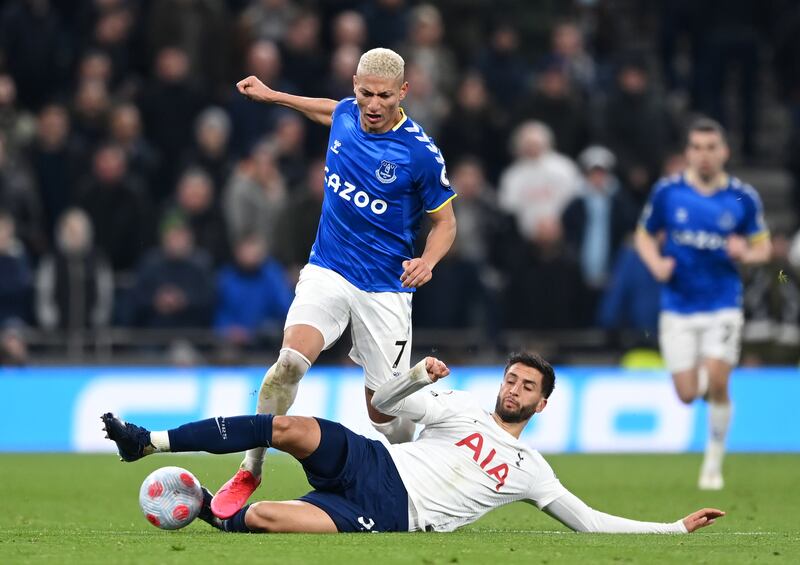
<point>464,464</point>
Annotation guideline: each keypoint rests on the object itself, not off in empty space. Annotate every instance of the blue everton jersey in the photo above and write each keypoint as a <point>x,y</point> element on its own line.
<point>697,226</point>
<point>376,189</point>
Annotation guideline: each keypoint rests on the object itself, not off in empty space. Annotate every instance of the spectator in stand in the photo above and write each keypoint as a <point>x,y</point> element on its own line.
<point>540,182</point>
<point>545,290</point>
<point>267,19</point>
<point>126,131</point>
<point>288,141</point>
<point>503,66</point>
<point>200,29</point>
<point>210,153</point>
<point>253,294</point>
<point>252,121</point>
<point>297,227</point>
<point>174,284</point>
<point>473,126</point>
<point>425,102</point>
<point>556,103</point>
<point>387,22</point>
<point>113,36</point>
<point>194,201</point>
<point>304,62</point>
<point>94,65</point>
<point>74,285</point>
<point>597,221</point>
<point>19,198</point>
<point>426,50</point>
<point>255,197</point>
<point>56,159</point>
<point>16,283</point>
<point>466,290</point>
<point>568,46</point>
<point>17,126</point>
<point>36,49</point>
<point>117,208</point>
<point>91,107</point>
<point>637,127</point>
<point>169,103</point>
<point>343,66</point>
<point>349,28</point>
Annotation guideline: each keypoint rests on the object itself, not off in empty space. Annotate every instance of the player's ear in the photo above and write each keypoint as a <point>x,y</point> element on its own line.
<point>403,90</point>
<point>355,83</point>
<point>541,404</point>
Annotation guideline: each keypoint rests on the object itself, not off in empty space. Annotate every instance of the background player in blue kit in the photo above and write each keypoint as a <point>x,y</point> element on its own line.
<point>709,222</point>
<point>381,172</point>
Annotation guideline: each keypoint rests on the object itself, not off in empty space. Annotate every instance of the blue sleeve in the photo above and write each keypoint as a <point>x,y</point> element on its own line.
<point>752,224</point>
<point>430,175</point>
<point>654,214</point>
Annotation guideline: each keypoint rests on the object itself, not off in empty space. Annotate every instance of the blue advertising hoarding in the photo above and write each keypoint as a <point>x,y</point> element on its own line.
<point>591,410</point>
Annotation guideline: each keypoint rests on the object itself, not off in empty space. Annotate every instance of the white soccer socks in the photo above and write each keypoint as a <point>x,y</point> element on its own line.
<point>719,418</point>
<point>276,396</point>
<point>399,430</point>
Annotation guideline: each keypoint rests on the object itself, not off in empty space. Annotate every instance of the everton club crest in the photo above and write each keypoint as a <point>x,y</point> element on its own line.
<point>386,173</point>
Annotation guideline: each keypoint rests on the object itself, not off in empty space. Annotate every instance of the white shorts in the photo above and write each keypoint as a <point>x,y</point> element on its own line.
<point>381,321</point>
<point>686,339</point>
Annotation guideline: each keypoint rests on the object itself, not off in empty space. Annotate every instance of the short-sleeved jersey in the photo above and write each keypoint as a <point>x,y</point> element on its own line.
<point>697,226</point>
<point>376,188</point>
<point>464,464</point>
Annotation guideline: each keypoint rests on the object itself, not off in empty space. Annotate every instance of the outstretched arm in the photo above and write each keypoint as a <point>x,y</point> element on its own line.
<point>578,516</point>
<point>394,397</point>
<point>317,110</point>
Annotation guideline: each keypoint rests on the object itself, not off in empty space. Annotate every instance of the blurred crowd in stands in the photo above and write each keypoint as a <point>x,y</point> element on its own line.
<point>139,189</point>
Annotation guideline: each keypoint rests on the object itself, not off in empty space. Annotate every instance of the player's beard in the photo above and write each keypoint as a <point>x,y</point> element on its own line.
<point>521,414</point>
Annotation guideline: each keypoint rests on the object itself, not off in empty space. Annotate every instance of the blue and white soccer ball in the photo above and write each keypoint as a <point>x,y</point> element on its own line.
<point>170,498</point>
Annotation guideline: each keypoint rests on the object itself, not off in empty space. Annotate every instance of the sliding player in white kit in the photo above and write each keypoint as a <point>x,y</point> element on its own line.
<point>465,462</point>
<point>709,221</point>
<point>381,173</point>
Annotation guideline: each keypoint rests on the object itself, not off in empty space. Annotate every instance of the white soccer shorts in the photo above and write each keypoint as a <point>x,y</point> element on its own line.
<point>381,321</point>
<point>686,339</point>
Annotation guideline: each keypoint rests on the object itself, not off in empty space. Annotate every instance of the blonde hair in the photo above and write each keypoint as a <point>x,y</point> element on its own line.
<point>381,62</point>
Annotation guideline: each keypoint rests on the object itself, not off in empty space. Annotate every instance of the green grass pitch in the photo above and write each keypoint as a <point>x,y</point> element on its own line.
<point>83,509</point>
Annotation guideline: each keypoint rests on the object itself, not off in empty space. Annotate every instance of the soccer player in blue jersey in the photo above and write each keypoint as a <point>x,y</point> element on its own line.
<point>695,230</point>
<point>381,173</point>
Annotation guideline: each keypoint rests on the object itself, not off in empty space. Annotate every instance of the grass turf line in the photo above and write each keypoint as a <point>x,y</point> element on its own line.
<point>59,508</point>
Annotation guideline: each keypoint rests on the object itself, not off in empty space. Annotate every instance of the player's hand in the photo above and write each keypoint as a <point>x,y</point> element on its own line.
<point>416,273</point>
<point>436,369</point>
<point>256,90</point>
<point>702,518</point>
<point>736,247</point>
<point>662,270</point>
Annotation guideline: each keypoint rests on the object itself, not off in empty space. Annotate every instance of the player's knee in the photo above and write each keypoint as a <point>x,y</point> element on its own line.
<point>282,429</point>
<point>289,368</point>
<point>686,396</point>
<point>260,517</point>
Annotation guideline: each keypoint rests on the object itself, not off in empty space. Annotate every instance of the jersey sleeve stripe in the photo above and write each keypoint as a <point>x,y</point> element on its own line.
<point>758,237</point>
<point>442,205</point>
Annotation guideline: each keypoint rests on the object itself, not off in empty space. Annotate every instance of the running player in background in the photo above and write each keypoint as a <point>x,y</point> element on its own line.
<point>694,231</point>
<point>465,463</point>
<point>381,173</point>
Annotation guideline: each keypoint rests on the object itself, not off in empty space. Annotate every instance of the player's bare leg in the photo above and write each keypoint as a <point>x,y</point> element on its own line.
<point>290,516</point>
<point>302,344</point>
<point>686,385</point>
<point>719,417</point>
<point>396,430</point>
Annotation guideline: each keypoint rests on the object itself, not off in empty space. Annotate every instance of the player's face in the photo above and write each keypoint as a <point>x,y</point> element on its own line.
<point>379,101</point>
<point>520,394</point>
<point>706,153</point>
